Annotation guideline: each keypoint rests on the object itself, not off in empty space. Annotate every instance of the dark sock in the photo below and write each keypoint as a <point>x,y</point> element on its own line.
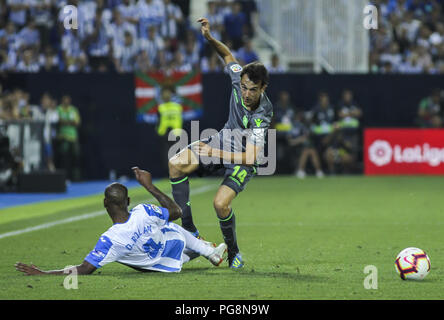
<point>181,194</point>
<point>228,228</point>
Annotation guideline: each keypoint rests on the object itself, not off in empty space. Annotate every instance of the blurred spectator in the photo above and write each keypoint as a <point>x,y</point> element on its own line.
<point>128,11</point>
<point>48,60</point>
<point>28,111</point>
<point>179,64</point>
<point>283,112</point>
<point>98,43</point>
<point>125,55</point>
<point>216,20</point>
<point>249,7</point>
<point>322,118</point>
<point>9,109</point>
<point>8,56</point>
<point>349,115</point>
<point>143,63</point>
<point>339,153</point>
<point>275,65</point>
<point>190,52</point>
<point>411,65</point>
<point>17,11</point>
<point>68,149</point>
<point>74,57</point>
<point>349,112</point>
<point>235,23</point>
<point>393,56</point>
<point>246,53</point>
<point>150,13</point>
<point>211,64</point>
<point>172,20</point>
<point>51,118</point>
<point>29,35</point>
<point>9,166</point>
<point>28,62</point>
<point>430,110</point>
<point>40,12</point>
<point>300,136</point>
<point>153,45</point>
<point>118,28</point>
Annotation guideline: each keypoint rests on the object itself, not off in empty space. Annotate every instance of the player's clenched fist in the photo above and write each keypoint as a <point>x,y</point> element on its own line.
<point>205,27</point>
<point>144,177</point>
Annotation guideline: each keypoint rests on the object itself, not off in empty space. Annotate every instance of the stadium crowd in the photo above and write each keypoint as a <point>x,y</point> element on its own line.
<point>119,35</point>
<point>61,121</point>
<point>409,38</point>
<point>325,136</point>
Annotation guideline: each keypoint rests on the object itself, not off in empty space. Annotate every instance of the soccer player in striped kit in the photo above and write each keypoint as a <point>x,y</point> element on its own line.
<point>144,238</point>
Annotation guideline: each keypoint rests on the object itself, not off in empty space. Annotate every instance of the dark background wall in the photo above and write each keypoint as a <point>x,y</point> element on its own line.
<point>112,139</point>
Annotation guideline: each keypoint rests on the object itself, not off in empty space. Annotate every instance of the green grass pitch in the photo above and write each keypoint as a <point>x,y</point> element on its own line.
<point>301,239</point>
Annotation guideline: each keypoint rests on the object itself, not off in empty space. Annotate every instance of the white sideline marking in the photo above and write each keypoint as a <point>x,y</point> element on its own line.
<point>47,225</point>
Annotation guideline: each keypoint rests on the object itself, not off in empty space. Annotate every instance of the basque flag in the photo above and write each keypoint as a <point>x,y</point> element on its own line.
<point>188,93</point>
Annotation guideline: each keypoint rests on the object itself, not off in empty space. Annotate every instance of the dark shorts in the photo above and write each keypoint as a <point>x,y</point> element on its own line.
<point>236,176</point>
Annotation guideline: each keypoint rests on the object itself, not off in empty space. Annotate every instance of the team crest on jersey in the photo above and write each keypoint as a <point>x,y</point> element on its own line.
<point>156,209</point>
<point>236,68</point>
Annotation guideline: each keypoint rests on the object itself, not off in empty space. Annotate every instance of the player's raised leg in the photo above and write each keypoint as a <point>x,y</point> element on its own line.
<point>227,222</point>
<point>180,166</point>
<point>195,247</point>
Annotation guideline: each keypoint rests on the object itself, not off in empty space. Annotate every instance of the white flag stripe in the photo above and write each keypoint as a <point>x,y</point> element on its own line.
<point>189,89</point>
<point>181,90</point>
<point>145,92</point>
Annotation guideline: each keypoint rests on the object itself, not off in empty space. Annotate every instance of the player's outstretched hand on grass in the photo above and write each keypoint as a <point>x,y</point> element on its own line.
<point>143,176</point>
<point>205,27</point>
<point>29,270</point>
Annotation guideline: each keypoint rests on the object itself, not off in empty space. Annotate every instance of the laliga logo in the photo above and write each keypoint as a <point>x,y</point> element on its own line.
<point>380,153</point>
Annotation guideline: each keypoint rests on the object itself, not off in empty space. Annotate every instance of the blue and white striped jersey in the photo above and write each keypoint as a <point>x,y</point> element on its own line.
<point>146,241</point>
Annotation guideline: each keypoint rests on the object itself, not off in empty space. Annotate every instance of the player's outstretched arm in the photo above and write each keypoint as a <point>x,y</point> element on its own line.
<point>32,270</point>
<point>221,49</point>
<point>247,158</point>
<point>145,180</point>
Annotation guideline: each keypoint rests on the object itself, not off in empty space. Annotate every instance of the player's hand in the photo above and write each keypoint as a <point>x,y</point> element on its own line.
<point>143,176</point>
<point>29,270</point>
<point>203,149</point>
<point>205,27</point>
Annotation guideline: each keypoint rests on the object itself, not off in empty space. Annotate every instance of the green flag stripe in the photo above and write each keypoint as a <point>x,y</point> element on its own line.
<point>147,79</point>
<point>187,77</point>
<point>191,103</point>
<point>147,106</point>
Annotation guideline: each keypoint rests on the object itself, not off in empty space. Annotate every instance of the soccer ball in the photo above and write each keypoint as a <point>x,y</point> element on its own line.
<point>412,264</point>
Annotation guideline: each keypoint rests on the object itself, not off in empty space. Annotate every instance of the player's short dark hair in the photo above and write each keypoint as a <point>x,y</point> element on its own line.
<point>117,194</point>
<point>256,72</point>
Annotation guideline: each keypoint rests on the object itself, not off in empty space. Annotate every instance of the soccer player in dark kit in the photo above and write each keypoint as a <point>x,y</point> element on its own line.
<point>235,149</point>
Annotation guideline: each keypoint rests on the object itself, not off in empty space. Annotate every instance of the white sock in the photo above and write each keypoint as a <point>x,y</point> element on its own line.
<point>194,244</point>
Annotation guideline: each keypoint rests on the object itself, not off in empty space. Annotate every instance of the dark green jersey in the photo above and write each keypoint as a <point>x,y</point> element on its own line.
<point>243,125</point>
<point>240,117</point>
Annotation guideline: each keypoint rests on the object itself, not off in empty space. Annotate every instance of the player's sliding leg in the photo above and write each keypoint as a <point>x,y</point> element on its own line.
<point>195,247</point>
<point>180,166</point>
<point>227,223</point>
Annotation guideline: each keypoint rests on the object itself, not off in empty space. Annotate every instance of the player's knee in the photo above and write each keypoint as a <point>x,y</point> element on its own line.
<point>221,207</point>
<point>174,168</point>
